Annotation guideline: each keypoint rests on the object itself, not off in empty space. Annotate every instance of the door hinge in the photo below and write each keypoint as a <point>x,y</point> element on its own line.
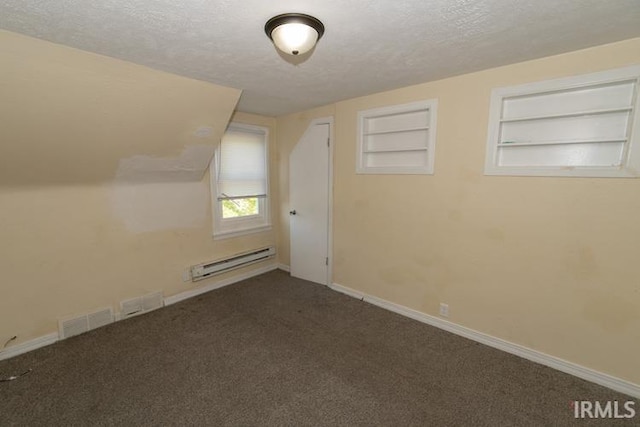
<point>326,261</point>
<point>328,141</point>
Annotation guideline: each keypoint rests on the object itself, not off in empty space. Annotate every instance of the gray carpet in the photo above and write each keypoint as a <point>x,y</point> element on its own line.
<point>274,350</point>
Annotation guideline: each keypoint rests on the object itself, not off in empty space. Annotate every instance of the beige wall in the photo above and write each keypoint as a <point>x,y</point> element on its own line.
<point>76,234</point>
<point>548,263</point>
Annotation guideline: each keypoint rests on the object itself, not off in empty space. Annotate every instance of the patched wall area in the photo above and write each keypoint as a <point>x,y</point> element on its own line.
<point>104,184</point>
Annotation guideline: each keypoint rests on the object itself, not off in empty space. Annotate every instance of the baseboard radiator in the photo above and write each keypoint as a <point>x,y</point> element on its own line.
<point>202,271</point>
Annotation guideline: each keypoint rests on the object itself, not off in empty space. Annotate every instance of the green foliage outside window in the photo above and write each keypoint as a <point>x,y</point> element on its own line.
<point>234,208</point>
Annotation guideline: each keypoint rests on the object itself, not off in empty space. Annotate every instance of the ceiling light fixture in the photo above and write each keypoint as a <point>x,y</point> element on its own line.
<point>294,33</point>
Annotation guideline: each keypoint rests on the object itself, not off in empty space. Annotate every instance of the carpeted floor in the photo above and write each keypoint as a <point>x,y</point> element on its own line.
<point>274,350</point>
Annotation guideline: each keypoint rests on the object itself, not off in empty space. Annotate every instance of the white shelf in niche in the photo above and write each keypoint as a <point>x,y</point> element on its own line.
<point>395,150</point>
<point>385,132</point>
<point>574,141</point>
<point>577,126</point>
<point>399,139</point>
<point>567,115</point>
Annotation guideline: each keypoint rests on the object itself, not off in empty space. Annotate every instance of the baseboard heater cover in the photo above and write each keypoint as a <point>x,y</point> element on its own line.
<point>202,271</point>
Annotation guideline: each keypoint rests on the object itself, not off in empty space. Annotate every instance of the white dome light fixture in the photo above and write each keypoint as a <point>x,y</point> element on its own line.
<point>294,33</point>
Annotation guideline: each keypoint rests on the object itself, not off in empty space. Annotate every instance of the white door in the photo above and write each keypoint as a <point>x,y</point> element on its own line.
<point>309,205</point>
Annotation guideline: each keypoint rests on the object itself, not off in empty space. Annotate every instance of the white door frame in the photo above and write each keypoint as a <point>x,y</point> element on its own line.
<point>324,121</point>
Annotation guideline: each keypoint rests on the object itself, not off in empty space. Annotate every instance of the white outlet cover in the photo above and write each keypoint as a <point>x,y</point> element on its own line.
<point>444,309</point>
<point>186,276</point>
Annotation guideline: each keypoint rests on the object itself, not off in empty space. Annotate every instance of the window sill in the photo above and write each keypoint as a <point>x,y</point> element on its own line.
<point>567,171</point>
<point>240,232</point>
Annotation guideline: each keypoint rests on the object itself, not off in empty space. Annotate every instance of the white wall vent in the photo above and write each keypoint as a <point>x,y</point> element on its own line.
<point>152,301</point>
<point>139,305</point>
<point>130,307</point>
<point>100,318</point>
<point>202,271</point>
<point>77,325</point>
<point>71,327</point>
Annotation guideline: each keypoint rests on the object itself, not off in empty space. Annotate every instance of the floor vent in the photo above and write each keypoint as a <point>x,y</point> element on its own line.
<point>139,305</point>
<point>202,271</point>
<point>86,322</point>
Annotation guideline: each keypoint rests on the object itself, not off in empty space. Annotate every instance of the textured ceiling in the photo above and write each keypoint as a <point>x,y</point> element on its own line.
<point>369,45</point>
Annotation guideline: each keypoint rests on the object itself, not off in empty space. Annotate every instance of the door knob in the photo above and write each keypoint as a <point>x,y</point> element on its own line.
<point>293,212</point>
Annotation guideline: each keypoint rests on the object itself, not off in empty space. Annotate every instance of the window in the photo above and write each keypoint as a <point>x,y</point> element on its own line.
<point>239,182</point>
<point>397,140</point>
<point>577,126</point>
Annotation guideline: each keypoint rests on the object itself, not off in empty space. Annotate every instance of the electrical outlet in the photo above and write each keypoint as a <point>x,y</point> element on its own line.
<point>186,275</point>
<point>444,309</point>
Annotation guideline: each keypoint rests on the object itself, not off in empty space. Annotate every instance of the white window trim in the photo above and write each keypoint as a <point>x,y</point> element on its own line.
<point>428,169</point>
<point>234,227</point>
<point>630,166</point>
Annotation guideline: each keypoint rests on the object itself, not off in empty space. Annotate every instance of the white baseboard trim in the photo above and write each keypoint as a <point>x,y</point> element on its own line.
<point>565,366</point>
<point>284,267</point>
<point>27,346</point>
<point>45,340</point>
<point>54,337</point>
<point>347,291</point>
<point>216,285</point>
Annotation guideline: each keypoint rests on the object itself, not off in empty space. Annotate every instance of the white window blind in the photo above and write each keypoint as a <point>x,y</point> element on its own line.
<point>242,164</point>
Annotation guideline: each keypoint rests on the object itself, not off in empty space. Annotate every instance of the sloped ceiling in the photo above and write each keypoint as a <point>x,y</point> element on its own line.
<point>72,117</point>
<point>369,46</point>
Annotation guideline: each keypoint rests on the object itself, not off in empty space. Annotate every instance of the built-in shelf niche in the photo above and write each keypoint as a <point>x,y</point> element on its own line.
<point>399,139</point>
<point>580,126</point>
